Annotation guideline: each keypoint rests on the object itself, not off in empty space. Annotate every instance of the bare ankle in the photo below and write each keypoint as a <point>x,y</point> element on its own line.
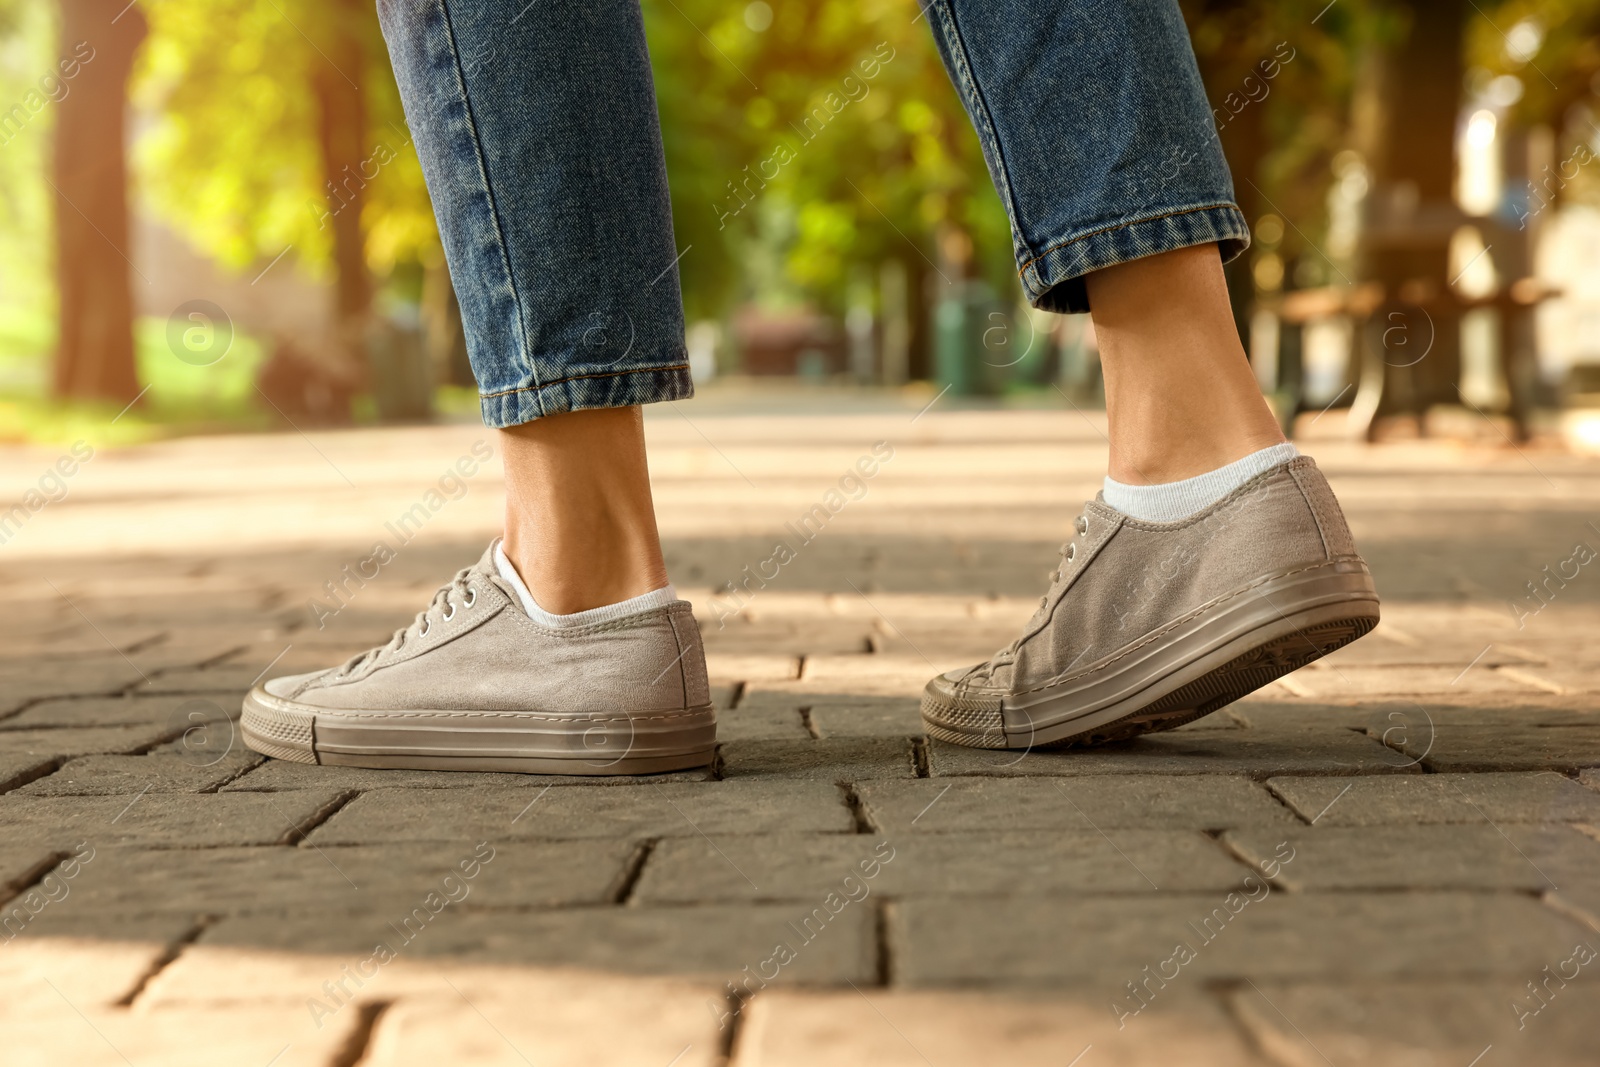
<point>580,524</point>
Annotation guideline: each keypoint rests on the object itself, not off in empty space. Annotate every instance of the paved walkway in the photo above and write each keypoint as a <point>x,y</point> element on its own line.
<point>1391,857</point>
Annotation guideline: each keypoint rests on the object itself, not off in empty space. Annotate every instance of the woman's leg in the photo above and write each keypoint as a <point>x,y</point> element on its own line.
<point>1216,559</point>
<point>563,649</point>
<point>536,127</point>
<point>1180,396</point>
<point>580,524</point>
<point>1100,140</point>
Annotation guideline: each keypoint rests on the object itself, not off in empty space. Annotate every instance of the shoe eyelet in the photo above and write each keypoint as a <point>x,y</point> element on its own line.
<point>427,624</point>
<point>447,616</point>
<point>1072,552</point>
<point>472,597</point>
<point>1083,525</point>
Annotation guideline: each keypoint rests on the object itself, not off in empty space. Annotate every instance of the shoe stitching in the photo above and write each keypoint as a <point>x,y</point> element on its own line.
<point>543,716</point>
<point>1288,466</point>
<point>1128,650</point>
<point>582,377</point>
<point>1120,520</point>
<point>627,622</point>
<point>1318,514</point>
<point>1091,551</point>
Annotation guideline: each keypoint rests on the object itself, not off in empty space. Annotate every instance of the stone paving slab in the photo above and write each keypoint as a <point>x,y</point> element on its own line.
<point>159,772</point>
<point>795,637</point>
<point>60,923</point>
<point>176,1039</point>
<point>21,867</point>
<point>914,1029</point>
<point>1017,872</point>
<point>715,942</point>
<point>1028,941</point>
<point>1337,681</point>
<point>1256,752</point>
<point>745,667</point>
<point>493,1027</point>
<point>1428,857</point>
<point>1556,678</point>
<point>169,820</point>
<point>1488,748</point>
<point>898,718</point>
<point>809,868</point>
<point>126,711</point>
<point>278,775</point>
<point>818,760</point>
<point>392,879</point>
<point>22,684</point>
<point>672,810</point>
<point>574,1018</point>
<point>1456,711</point>
<point>100,740</point>
<point>220,679</point>
<point>1404,644</point>
<point>1104,802</point>
<point>1514,797</point>
<point>1405,1024</point>
<point>85,973</point>
<point>17,771</point>
<point>767,724</point>
<point>791,696</point>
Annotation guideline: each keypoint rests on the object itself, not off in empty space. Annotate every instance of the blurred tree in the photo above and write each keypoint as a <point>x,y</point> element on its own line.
<point>279,128</point>
<point>808,142</point>
<point>1537,63</point>
<point>94,353</point>
<point>1283,76</point>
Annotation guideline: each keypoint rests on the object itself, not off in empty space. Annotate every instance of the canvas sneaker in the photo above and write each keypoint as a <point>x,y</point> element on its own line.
<point>1149,625</point>
<point>475,684</point>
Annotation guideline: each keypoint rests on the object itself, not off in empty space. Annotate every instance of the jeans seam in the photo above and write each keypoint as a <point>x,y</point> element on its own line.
<point>963,68</point>
<point>1126,223</point>
<point>580,377</point>
<point>494,206</point>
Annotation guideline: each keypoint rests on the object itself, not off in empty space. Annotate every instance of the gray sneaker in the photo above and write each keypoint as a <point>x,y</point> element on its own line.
<point>475,684</point>
<point>1150,625</point>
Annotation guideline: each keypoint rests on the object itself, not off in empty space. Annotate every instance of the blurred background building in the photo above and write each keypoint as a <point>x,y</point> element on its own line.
<point>211,214</point>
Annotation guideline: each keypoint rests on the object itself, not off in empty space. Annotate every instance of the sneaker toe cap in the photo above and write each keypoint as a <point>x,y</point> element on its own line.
<point>955,710</point>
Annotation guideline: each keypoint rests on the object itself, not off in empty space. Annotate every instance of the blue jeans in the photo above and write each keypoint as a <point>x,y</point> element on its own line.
<point>542,152</point>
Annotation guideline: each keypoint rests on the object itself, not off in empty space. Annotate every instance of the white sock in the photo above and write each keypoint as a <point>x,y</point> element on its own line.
<point>1171,501</point>
<point>656,598</point>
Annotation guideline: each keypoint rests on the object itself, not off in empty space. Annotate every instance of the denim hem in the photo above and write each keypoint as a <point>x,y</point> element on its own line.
<point>1053,279</point>
<point>582,392</point>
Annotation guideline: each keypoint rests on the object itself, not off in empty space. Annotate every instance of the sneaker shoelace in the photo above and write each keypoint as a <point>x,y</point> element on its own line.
<point>444,603</point>
<point>1068,553</point>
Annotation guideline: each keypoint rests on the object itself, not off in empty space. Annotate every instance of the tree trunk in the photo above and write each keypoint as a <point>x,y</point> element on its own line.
<point>341,134</point>
<point>94,353</point>
<point>1411,211</point>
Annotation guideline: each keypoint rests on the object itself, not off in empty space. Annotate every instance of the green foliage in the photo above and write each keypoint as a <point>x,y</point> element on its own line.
<point>232,159</point>
<point>830,139</point>
<point>181,398</point>
<point>1557,75</point>
<point>1306,112</point>
<point>28,51</point>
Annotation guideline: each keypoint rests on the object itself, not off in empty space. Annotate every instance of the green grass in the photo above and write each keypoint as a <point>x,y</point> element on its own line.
<point>180,399</point>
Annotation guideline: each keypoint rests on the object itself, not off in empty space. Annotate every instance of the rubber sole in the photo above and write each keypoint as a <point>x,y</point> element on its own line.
<point>608,743</point>
<point>1188,670</point>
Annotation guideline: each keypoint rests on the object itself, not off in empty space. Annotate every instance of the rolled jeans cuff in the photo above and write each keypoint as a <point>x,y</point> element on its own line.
<point>581,392</point>
<point>1054,278</point>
